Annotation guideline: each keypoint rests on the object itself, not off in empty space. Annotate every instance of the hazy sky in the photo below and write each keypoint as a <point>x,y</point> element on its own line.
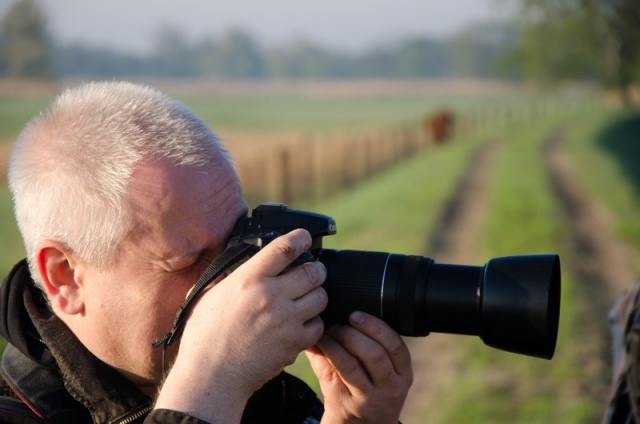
<point>345,24</point>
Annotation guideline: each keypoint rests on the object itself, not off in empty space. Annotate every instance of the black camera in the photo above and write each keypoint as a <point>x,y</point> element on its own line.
<point>512,302</point>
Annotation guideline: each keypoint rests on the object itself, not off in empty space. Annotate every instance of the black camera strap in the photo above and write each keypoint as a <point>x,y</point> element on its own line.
<point>235,252</point>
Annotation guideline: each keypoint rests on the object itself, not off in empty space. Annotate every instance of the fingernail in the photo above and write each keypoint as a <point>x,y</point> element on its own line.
<point>357,317</point>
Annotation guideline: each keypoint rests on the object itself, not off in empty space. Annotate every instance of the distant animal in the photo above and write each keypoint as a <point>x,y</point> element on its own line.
<point>439,125</point>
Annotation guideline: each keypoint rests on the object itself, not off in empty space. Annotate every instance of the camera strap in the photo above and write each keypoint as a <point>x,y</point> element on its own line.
<point>236,251</point>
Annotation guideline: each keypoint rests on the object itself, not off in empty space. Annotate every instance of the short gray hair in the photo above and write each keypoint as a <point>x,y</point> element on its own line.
<point>71,165</point>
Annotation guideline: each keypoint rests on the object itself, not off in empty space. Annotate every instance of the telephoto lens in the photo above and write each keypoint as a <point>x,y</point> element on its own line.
<point>512,302</point>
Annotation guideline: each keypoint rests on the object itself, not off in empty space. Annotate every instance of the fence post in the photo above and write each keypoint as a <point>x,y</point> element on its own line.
<point>285,175</point>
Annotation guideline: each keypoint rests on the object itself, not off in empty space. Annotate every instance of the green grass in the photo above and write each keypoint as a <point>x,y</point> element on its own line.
<point>322,113</point>
<point>11,248</point>
<point>310,114</point>
<point>16,112</point>
<point>396,209</point>
<point>521,218</point>
<point>606,149</point>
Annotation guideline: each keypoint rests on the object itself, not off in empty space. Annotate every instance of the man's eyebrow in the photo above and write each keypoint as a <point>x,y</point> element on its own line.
<point>178,259</point>
<point>196,253</point>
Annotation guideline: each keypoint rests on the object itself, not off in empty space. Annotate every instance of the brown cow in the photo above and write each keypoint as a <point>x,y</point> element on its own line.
<point>439,125</point>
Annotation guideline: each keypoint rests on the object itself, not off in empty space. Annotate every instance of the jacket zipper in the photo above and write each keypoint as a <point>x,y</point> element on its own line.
<point>131,418</point>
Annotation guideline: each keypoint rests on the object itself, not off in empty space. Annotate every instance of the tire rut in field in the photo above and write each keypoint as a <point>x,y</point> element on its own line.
<point>602,257</point>
<point>437,358</point>
<point>465,213</point>
<point>601,264</point>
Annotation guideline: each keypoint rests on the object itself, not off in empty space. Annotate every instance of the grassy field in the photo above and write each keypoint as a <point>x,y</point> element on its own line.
<point>401,208</point>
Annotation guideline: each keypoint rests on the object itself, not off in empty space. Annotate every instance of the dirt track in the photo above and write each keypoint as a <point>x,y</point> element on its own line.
<point>601,263</point>
<point>599,256</point>
<point>436,359</point>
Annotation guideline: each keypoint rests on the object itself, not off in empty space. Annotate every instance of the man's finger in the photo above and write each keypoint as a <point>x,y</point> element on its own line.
<point>277,255</point>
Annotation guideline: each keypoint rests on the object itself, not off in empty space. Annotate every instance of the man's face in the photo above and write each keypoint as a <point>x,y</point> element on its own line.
<point>182,218</point>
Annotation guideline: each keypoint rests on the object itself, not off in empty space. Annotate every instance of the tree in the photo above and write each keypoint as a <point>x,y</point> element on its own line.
<point>422,58</point>
<point>622,21</point>
<point>236,55</point>
<point>303,59</point>
<point>172,54</point>
<point>477,50</point>
<point>580,39</point>
<point>24,43</point>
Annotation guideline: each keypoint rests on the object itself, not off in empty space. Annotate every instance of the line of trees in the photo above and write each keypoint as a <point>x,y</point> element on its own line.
<point>237,54</point>
<point>546,41</point>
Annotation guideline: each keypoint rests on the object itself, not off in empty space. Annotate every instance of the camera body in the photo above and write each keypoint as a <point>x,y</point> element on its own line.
<point>271,220</point>
<point>512,302</point>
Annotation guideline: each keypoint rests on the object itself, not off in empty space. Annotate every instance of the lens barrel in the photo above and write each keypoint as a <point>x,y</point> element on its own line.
<point>512,303</point>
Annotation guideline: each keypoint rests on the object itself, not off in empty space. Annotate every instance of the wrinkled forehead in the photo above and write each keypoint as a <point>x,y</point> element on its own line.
<point>176,207</point>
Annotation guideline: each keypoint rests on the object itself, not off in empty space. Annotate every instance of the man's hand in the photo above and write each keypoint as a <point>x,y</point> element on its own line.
<point>364,371</point>
<point>244,330</point>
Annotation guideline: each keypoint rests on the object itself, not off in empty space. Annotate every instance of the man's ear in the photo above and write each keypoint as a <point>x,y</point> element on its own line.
<point>56,265</point>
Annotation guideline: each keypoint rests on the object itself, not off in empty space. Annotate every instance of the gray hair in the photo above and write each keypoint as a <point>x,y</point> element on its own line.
<point>71,165</point>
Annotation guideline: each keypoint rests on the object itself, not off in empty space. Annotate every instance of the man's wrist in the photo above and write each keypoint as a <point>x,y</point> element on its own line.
<point>200,397</point>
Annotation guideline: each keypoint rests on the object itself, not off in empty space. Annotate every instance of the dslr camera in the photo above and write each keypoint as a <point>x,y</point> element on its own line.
<point>512,302</point>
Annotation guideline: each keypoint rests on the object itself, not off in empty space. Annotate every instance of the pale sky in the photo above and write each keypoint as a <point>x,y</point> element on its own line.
<point>343,24</point>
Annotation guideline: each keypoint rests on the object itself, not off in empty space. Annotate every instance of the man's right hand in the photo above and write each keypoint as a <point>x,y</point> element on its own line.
<point>245,329</point>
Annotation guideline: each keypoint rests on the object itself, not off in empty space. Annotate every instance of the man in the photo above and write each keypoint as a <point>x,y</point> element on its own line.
<point>123,198</point>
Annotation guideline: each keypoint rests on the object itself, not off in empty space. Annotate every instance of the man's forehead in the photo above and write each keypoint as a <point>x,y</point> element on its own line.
<point>150,173</point>
<point>159,185</point>
<point>178,205</point>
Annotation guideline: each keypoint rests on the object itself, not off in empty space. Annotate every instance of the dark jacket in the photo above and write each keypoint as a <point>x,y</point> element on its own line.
<point>48,376</point>
<point>623,406</point>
